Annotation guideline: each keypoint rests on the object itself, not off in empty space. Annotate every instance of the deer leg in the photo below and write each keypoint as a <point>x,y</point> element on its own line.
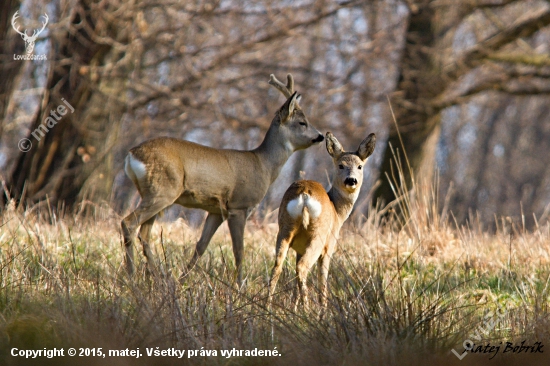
<point>283,243</point>
<point>323,263</point>
<point>236,222</point>
<point>307,260</point>
<point>212,223</point>
<point>144,235</point>
<point>129,246</point>
<point>145,229</point>
<point>145,211</point>
<point>295,293</point>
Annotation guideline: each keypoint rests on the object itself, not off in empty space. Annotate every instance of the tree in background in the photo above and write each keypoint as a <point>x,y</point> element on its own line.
<point>472,101</point>
<point>468,82</point>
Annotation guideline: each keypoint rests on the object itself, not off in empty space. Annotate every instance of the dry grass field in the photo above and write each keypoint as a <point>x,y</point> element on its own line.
<point>404,289</point>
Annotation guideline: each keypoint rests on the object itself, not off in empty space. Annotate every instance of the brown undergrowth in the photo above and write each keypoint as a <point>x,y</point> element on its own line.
<point>406,287</point>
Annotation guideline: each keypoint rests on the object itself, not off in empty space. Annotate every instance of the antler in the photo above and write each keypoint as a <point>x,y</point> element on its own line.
<point>36,33</point>
<point>24,34</point>
<point>15,16</point>
<point>287,89</point>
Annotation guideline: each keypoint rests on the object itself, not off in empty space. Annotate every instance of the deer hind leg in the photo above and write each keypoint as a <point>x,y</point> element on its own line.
<point>144,235</point>
<point>129,246</point>
<point>212,223</point>
<point>296,293</point>
<point>323,263</point>
<point>306,261</point>
<point>283,243</point>
<point>146,211</point>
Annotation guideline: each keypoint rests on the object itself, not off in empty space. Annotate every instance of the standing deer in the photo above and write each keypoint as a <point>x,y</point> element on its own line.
<point>228,184</point>
<point>310,218</point>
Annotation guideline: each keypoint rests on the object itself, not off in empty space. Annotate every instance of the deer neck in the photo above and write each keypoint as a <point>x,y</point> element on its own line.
<point>343,202</point>
<point>274,151</point>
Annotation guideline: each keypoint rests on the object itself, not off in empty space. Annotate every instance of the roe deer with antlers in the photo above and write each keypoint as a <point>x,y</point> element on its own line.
<point>310,218</point>
<point>228,184</point>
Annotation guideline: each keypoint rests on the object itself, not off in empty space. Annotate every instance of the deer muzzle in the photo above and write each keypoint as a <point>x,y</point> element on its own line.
<point>319,138</point>
<point>352,182</point>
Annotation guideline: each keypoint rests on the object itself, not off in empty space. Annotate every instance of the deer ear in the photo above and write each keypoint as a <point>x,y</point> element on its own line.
<point>334,147</point>
<point>290,105</point>
<point>296,101</point>
<point>366,148</point>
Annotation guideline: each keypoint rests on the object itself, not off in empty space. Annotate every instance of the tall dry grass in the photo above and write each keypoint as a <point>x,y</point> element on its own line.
<point>406,287</point>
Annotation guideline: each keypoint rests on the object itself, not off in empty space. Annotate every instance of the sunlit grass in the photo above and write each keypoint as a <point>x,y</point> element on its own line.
<point>398,293</point>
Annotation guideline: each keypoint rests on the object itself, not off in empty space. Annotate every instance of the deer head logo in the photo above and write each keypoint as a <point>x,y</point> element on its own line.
<point>29,40</point>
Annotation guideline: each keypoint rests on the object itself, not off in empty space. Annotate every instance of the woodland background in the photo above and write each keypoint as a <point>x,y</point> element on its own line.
<point>468,81</point>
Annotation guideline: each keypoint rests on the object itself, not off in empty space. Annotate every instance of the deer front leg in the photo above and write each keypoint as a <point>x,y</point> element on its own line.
<point>236,222</point>
<point>212,223</point>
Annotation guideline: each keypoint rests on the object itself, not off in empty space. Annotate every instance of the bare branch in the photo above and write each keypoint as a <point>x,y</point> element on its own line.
<point>234,49</point>
<point>477,54</point>
<point>538,60</point>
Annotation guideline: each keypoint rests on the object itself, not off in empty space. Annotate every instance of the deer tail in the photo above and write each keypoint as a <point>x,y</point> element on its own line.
<point>305,212</point>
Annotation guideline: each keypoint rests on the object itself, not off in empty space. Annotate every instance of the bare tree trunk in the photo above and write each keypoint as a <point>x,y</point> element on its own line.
<point>457,56</point>
<point>54,167</point>
<point>417,83</point>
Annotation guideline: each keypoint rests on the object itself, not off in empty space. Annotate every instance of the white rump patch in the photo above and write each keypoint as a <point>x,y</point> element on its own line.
<point>134,167</point>
<point>296,206</point>
<point>313,206</point>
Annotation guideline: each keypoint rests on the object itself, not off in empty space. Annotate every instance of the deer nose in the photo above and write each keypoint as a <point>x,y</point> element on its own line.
<point>350,182</point>
<point>319,138</point>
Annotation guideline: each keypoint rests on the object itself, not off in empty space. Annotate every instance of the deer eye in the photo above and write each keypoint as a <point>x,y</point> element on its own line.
<point>360,167</point>
<point>340,166</point>
<point>303,124</point>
